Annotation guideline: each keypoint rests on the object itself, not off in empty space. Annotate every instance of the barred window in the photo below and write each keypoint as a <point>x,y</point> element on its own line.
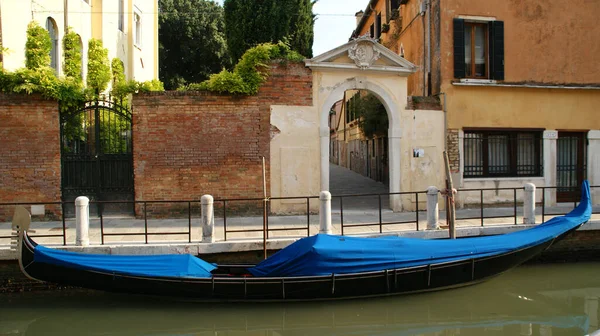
<point>497,153</point>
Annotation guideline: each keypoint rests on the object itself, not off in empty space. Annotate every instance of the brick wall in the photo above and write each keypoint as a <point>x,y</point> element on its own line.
<point>453,150</point>
<point>187,144</point>
<point>29,152</point>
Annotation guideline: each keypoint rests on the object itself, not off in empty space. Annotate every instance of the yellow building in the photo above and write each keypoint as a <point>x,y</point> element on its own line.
<point>519,82</point>
<point>127,28</point>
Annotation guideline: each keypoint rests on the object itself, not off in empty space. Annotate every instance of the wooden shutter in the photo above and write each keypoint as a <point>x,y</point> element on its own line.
<point>459,48</point>
<point>497,50</point>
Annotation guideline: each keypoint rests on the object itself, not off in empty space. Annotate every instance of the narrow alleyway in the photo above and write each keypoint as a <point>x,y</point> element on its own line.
<point>343,181</point>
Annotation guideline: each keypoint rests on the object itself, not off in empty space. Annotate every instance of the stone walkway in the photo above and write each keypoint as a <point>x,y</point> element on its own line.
<point>343,181</point>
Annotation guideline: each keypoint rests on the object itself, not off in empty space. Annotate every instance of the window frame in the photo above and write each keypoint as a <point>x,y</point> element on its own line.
<point>486,28</point>
<point>512,148</point>
<point>137,34</point>
<point>55,40</point>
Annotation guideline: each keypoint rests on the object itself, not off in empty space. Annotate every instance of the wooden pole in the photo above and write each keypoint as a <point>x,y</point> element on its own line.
<point>450,196</point>
<point>264,208</point>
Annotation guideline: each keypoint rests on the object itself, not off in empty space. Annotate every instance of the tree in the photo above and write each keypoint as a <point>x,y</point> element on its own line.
<point>37,47</point>
<point>249,22</point>
<point>191,41</point>
<point>98,66</point>
<point>72,55</point>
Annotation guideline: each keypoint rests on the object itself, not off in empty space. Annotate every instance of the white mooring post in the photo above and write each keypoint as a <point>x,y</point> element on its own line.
<point>82,221</point>
<point>325,212</point>
<point>208,219</point>
<point>529,204</point>
<point>433,213</point>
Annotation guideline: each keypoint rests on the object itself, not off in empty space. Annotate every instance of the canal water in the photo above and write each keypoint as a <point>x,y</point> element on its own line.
<point>545,300</point>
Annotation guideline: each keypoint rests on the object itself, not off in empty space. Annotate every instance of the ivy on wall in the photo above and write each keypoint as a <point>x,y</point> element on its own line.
<point>250,72</point>
<point>72,55</point>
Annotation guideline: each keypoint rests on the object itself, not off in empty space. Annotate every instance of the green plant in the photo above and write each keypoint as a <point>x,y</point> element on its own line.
<point>72,55</point>
<point>385,27</point>
<point>98,75</point>
<point>37,47</point>
<point>371,114</point>
<point>250,72</point>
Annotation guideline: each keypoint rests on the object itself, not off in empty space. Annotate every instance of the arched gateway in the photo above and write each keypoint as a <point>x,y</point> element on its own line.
<point>359,64</point>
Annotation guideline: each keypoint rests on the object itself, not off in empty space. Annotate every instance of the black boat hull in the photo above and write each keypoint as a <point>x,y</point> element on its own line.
<point>239,288</point>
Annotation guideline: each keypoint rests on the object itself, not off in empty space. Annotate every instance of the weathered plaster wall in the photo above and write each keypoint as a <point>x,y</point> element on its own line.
<point>29,153</point>
<point>549,42</point>
<point>403,33</point>
<point>558,109</point>
<point>294,157</point>
<point>424,130</point>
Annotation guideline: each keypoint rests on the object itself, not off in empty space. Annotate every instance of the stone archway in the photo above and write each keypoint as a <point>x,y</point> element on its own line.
<point>362,64</point>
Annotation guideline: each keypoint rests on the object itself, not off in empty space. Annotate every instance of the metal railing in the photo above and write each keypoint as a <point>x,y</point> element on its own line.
<point>380,223</point>
<point>482,217</point>
<point>228,206</point>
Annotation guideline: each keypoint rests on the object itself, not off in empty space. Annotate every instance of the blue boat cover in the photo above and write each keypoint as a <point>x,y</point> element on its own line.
<point>327,254</point>
<point>173,265</point>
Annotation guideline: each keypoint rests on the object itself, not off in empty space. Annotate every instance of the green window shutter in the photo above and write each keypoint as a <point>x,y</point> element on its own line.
<point>497,50</point>
<point>459,48</point>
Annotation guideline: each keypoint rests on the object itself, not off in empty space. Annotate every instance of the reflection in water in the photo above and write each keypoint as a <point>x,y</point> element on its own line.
<point>545,300</point>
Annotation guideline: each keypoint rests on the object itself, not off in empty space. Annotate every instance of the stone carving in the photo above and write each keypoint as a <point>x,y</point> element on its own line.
<point>363,52</point>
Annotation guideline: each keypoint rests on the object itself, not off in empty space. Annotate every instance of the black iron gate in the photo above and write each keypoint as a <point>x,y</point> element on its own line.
<point>96,156</point>
<point>570,165</point>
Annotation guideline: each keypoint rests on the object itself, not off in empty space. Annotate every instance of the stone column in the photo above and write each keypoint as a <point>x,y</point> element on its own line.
<point>550,138</point>
<point>395,173</point>
<point>433,213</point>
<point>82,221</point>
<point>529,204</point>
<point>325,213</point>
<point>593,164</point>
<point>325,137</point>
<point>208,219</point>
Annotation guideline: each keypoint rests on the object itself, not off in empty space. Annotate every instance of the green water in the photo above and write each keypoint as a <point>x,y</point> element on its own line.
<point>545,300</point>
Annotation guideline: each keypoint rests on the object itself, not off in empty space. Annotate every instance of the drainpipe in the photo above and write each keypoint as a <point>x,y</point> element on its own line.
<point>66,15</point>
<point>425,38</point>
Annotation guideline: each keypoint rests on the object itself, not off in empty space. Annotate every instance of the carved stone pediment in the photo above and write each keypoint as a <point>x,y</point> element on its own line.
<point>363,52</point>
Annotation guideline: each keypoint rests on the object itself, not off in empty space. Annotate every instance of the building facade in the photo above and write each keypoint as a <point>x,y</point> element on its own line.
<point>127,28</point>
<point>518,80</point>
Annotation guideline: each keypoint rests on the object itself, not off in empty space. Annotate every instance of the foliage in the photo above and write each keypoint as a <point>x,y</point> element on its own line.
<point>98,75</point>
<point>37,47</point>
<point>192,41</point>
<point>250,72</point>
<point>118,71</point>
<point>373,119</point>
<point>249,23</point>
<point>72,55</point>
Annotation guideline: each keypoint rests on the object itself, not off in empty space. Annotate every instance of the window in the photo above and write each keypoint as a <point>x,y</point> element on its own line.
<point>378,26</point>
<point>53,32</point>
<point>497,153</point>
<point>137,19</point>
<point>476,41</point>
<point>372,31</point>
<point>121,18</point>
<point>479,49</point>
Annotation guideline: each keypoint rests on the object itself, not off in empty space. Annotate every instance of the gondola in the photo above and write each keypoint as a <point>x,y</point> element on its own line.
<point>320,267</point>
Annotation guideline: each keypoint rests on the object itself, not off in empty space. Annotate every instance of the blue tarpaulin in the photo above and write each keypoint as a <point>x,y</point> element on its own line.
<point>328,254</point>
<point>172,265</point>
